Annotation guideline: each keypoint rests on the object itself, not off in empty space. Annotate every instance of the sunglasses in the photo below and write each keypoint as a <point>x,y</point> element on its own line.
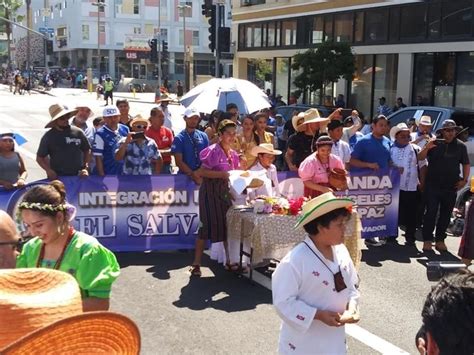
<point>18,245</point>
<point>140,126</point>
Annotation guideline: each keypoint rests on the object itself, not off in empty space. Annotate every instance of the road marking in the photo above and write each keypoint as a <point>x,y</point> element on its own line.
<point>372,340</point>
<point>12,122</point>
<point>356,332</point>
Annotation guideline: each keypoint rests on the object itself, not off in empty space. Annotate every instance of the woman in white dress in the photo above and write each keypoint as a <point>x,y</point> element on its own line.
<point>314,286</point>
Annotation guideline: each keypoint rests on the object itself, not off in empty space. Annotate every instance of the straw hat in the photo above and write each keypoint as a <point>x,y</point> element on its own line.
<point>41,312</point>
<point>398,128</point>
<point>425,120</point>
<point>309,116</point>
<point>57,111</point>
<point>321,205</point>
<point>138,119</point>
<point>266,148</point>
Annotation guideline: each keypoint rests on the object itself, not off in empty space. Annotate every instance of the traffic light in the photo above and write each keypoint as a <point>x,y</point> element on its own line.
<point>224,39</point>
<point>153,43</point>
<point>165,55</point>
<point>212,28</point>
<point>206,8</point>
<point>49,47</point>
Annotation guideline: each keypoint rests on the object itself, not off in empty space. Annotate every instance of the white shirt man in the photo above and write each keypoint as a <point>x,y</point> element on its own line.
<point>340,148</point>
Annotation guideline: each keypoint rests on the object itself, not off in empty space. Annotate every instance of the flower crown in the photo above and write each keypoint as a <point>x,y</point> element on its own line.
<point>41,206</point>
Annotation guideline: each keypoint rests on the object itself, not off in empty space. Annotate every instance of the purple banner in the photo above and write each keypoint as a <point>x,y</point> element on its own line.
<point>138,213</point>
<point>376,195</point>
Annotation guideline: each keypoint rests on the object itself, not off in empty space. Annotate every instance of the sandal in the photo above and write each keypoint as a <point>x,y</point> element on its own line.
<point>195,270</point>
<point>231,267</point>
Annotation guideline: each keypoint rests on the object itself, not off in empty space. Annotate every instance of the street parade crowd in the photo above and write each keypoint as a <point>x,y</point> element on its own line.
<point>315,287</point>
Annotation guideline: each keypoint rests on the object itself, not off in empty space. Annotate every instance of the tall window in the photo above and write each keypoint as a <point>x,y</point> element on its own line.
<point>136,7</point>
<point>317,30</point>
<point>359,27</point>
<point>85,32</point>
<point>164,34</point>
<point>457,18</point>
<point>376,22</point>
<point>195,38</point>
<point>271,34</point>
<point>413,22</point>
<point>361,85</point>
<point>127,7</point>
<point>386,69</point>
<point>288,29</point>
<point>328,32</point>
<point>465,80</point>
<point>343,27</point>
<point>423,80</point>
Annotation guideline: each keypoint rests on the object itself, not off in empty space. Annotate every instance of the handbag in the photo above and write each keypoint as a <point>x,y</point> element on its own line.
<point>338,179</point>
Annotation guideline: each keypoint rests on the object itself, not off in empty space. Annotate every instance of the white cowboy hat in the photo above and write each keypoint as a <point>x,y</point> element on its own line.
<point>398,128</point>
<point>321,205</point>
<point>425,120</point>
<point>309,116</point>
<point>57,111</point>
<point>41,312</point>
<point>266,148</point>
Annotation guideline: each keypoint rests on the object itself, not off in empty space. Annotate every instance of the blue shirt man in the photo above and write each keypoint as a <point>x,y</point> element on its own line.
<point>106,142</point>
<point>188,144</point>
<point>372,151</point>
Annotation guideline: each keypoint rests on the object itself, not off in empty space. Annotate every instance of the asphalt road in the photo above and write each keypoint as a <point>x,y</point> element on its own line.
<point>222,313</point>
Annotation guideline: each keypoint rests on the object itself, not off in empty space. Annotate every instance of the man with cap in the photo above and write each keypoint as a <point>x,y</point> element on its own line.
<point>383,108</point>
<point>443,180</point>
<point>423,134</point>
<point>108,91</point>
<point>139,153</point>
<point>162,135</point>
<point>164,101</point>
<point>188,144</point>
<point>340,148</point>
<point>9,241</point>
<point>301,144</point>
<point>405,156</point>
<point>106,143</point>
<point>64,150</point>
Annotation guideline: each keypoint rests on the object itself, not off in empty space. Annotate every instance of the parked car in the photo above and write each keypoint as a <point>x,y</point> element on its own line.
<point>462,117</point>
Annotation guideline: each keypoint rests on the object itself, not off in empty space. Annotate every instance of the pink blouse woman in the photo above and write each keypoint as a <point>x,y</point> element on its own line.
<point>314,170</point>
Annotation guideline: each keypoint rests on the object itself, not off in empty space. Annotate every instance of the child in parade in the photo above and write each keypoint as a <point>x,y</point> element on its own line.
<point>57,245</point>
<point>314,286</point>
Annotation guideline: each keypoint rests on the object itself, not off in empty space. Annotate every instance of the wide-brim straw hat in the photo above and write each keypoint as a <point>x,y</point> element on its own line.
<point>266,148</point>
<point>138,119</point>
<point>41,312</point>
<point>321,205</point>
<point>398,128</point>
<point>57,111</point>
<point>309,116</point>
<point>87,333</point>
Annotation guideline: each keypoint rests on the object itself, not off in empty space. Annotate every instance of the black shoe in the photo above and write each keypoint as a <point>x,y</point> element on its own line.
<point>372,242</point>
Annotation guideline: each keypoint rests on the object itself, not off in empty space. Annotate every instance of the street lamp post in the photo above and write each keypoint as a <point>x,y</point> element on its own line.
<point>100,6</point>
<point>186,80</point>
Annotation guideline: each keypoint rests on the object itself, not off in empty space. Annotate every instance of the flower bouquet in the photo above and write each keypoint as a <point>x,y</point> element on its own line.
<point>278,205</point>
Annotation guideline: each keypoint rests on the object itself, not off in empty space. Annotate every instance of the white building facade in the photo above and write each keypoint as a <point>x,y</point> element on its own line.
<point>123,31</point>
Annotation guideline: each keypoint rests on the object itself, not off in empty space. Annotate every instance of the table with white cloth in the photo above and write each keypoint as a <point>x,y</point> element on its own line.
<point>270,236</point>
